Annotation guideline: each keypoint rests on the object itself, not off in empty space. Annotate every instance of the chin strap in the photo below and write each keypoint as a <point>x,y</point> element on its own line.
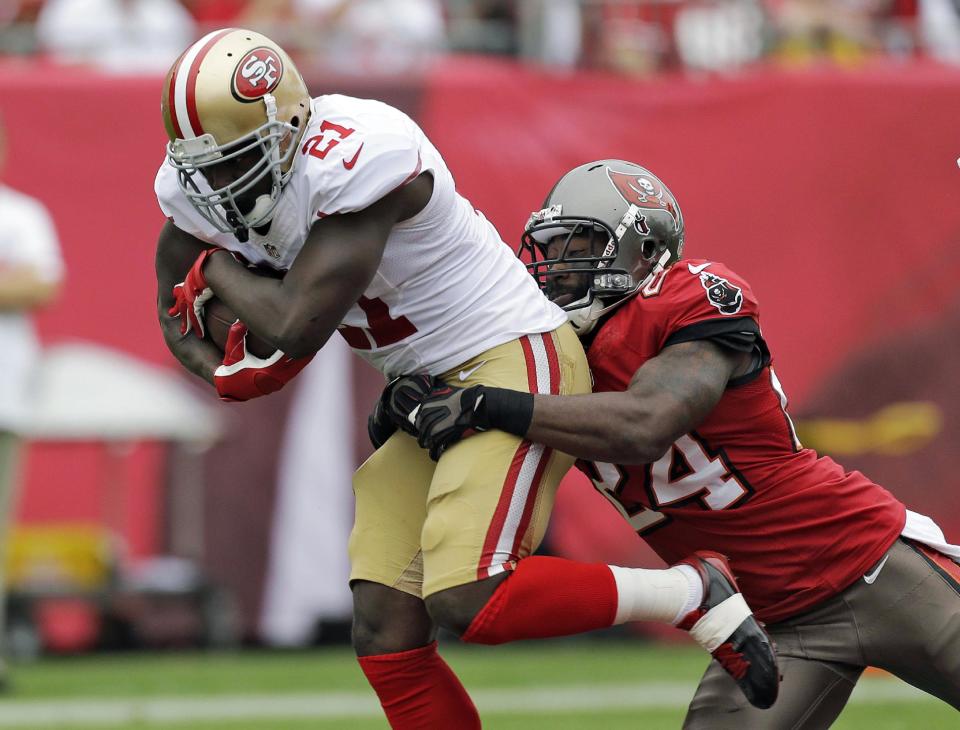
<point>585,318</point>
<point>270,102</point>
<point>240,231</point>
<point>655,270</point>
<point>261,209</point>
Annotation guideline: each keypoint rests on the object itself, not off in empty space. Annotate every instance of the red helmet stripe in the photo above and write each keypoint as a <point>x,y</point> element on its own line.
<point>183,85</point>
<point>171,98</point>
<point>192,79</point>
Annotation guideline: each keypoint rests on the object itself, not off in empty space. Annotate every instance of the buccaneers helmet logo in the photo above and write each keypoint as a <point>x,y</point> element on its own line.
<point>645,192</point>
<point>721,293</point>
<point>257,74</point>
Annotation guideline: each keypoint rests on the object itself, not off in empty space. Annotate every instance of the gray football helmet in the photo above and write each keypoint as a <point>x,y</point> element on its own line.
<point>631,219</point>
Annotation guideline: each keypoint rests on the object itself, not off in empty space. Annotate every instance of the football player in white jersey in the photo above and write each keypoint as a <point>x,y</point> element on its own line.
<point>355,207</point>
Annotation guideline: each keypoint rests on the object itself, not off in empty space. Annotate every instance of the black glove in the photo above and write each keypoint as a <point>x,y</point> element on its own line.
<point>403,397</point>
<point>380,426</point>
<point>447,414</point>
<point>394,406</point>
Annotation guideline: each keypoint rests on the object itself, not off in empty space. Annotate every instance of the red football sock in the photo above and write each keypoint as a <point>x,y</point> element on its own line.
<point>547,597</point>
<point>418,691</point>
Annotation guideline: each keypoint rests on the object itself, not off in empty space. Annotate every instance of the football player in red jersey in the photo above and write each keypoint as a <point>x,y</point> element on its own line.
<point>688,435</point>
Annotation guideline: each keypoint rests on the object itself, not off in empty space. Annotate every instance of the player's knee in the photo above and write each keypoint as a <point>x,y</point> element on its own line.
<point>455,608</point>
<point>452,610</point>
<point>364,638</point>
<point>387,621</point>
<point>379,637</point>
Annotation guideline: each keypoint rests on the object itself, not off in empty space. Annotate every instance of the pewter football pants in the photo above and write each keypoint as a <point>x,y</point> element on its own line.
<point>906,621</point>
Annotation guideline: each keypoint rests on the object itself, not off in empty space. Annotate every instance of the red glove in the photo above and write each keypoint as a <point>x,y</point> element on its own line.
<point>243,376</point>
<point>191,294</point>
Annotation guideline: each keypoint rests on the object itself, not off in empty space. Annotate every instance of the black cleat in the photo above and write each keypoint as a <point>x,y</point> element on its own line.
<point>725,626</point>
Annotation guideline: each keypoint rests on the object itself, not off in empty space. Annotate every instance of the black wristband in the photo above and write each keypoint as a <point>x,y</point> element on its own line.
<point>508,410</point>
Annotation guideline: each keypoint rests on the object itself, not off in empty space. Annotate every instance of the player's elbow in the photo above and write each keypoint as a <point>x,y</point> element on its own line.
<point>654,449</point>
<point>297,340</point>
<point>296,347</point>
<point>641,446</point>
<point>647,436</point>
<point>170,329</point>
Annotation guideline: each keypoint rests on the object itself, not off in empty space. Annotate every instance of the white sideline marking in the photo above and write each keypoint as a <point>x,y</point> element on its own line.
<point>529,700</point>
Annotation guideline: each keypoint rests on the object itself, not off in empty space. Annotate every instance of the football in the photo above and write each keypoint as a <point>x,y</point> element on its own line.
<point>218,317</point>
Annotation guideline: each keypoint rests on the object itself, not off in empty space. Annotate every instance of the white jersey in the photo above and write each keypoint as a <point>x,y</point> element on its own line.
<point>27,239</point>
<point>447,287</point>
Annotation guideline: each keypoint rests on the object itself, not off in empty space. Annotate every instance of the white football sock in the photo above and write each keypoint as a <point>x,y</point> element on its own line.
<point>656,595</point>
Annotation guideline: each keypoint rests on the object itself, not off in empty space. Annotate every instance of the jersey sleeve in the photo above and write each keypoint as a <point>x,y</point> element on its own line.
<point>362,168</point>
<point>706,300</point>
<point>177,208</point>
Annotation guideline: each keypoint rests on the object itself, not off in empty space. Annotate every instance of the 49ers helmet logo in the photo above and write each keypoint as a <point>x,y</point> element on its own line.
<point>645,192</point>
<point>257,73</point>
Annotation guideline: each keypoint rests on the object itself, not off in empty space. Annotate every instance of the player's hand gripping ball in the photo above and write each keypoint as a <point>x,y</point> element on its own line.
<point>252,366</point>
<point>218,318</point>
<point>192,294</point>
<point>243,375</point>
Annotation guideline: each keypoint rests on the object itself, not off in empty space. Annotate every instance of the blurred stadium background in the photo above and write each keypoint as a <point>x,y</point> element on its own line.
<point>812,145</point>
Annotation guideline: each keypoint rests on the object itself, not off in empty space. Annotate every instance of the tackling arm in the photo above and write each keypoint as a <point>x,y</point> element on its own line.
<point>176,252</point>
<point>668,396</point>
<point>300,312</point>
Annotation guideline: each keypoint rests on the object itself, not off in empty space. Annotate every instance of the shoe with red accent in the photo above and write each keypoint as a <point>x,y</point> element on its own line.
<point>725,626</point>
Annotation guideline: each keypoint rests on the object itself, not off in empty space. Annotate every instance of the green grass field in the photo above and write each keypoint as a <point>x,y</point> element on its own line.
<point>561,686</point>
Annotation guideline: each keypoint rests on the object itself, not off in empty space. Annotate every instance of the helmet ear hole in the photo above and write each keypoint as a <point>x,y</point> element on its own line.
<point>649,248</point>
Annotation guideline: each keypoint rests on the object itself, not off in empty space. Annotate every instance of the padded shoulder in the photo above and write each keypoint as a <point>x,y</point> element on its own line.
<point>356,152</point>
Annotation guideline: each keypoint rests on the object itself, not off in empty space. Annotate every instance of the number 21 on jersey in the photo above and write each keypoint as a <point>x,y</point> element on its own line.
<point>382,328</point>
<point>689,471</point>
<point>330,136</point>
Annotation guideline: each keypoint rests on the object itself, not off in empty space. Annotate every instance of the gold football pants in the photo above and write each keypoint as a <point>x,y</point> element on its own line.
<point>422,527</point>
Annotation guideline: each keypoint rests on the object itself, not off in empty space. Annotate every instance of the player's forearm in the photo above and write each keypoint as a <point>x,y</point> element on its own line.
<point>176,251</point>
<point>598,426</point>
<point>272,309</point>
<point>668,396</point>
<point>199,357</point>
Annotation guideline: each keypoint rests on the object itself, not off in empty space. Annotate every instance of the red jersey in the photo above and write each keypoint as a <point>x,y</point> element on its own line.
<point>796,527</point>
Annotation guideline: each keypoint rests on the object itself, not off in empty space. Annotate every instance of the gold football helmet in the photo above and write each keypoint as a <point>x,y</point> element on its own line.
<point>234,101</point>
